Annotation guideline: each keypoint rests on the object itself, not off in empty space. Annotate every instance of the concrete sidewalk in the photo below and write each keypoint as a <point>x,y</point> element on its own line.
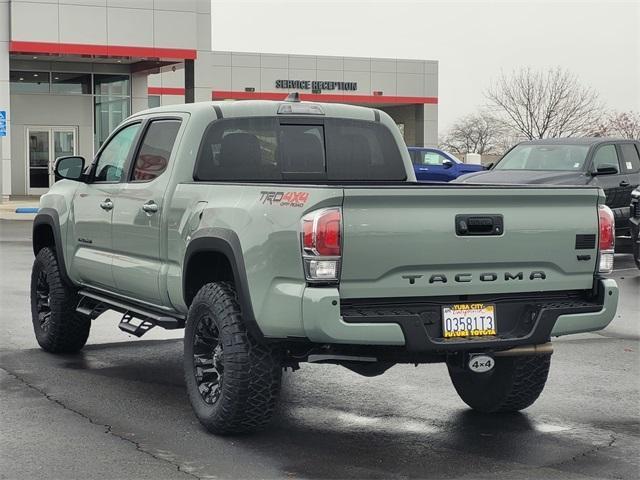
<point>8,210</point>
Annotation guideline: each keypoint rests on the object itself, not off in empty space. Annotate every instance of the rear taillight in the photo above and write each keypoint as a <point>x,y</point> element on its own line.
<point>606,239</point>
<point>321,238</point>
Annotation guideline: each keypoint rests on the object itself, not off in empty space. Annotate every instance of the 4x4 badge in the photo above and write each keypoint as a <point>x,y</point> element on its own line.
<point>284,199</point>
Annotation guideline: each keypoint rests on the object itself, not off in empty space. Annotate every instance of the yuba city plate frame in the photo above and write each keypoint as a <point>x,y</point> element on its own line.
<point>469,320</point>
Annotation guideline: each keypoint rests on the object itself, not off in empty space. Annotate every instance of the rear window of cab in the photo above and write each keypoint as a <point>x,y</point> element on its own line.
<point>268,149</point>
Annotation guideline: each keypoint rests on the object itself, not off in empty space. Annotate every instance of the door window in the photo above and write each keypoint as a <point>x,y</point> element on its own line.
<point>110,164</point>
<point>631,160</point>
<point>606,156</point>
<point>63,143</point>
<point>431,158</point>
<point>39,159</point>
<point>153,157</point>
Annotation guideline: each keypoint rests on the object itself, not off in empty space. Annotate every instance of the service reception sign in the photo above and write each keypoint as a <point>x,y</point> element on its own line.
<point>317,85</point>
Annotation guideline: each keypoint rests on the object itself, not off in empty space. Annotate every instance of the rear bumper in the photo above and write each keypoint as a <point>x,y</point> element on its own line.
<point>589,322</point>
<point>416,324</point>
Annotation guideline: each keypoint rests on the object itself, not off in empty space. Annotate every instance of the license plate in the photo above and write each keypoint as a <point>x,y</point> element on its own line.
<point>468,320</point>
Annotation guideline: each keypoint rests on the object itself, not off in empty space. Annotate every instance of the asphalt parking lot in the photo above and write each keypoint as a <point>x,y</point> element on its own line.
<point>119,409</point>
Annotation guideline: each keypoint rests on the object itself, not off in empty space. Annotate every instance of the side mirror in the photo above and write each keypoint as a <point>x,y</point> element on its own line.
<point>447,163</point>
<point>488,166</point>
<point>605,170</point>
<point>69,168</point>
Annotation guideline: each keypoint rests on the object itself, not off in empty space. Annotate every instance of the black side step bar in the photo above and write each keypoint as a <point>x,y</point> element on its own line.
<point>93,304</point>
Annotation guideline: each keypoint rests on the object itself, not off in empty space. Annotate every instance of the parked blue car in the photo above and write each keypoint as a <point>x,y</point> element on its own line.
<point>433,164</point>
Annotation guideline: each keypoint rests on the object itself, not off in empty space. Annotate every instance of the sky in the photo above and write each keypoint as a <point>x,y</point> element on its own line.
<point>474,41</point>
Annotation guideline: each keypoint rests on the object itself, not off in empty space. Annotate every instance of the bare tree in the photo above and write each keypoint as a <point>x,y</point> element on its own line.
<point>546,104</point>
<point>476,133</point>
<point>619,124</point>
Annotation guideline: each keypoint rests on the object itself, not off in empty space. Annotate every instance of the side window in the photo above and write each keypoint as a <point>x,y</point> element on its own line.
<point>153,157</point>
<point>606,156</point>
<point>110,165</point>
<point>631,159</point>
<point>432,158</point>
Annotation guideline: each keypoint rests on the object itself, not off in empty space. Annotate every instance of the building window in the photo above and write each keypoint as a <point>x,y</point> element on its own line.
<point>112,104</point>
<point>71,83</point>
<point>111,85</point>
<point>29,82</point>
<point>154,101</point>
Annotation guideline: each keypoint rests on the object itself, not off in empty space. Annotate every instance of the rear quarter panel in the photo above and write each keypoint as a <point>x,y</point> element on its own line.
<point>269,233</point>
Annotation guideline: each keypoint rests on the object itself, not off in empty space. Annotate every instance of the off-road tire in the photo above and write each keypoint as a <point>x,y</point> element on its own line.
<point>252,370</point>
<point>57,325</point>
<point>635,247</point>
<point>513,384</point>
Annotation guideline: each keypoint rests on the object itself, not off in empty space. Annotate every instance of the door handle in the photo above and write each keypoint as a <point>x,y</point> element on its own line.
<point>150,207</point>
<point>106,205</point>
<point>624,183</point>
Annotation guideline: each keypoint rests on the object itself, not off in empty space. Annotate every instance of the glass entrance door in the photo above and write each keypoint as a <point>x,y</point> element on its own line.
<point>39,153</point>
<point>44,145</point>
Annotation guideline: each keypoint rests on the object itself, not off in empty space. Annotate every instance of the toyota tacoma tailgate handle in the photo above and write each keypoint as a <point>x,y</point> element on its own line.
<point>476,224</point>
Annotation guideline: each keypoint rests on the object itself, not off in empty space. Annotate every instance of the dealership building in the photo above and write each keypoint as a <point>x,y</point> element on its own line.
<point>72,70</point>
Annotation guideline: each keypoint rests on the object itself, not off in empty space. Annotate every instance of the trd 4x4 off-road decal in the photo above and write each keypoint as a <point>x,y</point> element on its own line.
<point>284,199</point>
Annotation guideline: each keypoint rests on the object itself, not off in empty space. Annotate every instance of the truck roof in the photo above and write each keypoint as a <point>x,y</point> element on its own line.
<point>571,141</point>
<point>261,108</point>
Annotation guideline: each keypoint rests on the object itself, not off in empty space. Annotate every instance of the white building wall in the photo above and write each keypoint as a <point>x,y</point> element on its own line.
<point>138,23</point>
<point>237,71</point>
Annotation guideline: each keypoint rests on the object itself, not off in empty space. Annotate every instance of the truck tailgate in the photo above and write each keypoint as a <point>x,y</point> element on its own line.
<point>402,241</point>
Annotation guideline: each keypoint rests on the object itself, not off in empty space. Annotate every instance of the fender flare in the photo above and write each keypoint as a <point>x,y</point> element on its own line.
<point>49,217</point>
<point>227,243</point>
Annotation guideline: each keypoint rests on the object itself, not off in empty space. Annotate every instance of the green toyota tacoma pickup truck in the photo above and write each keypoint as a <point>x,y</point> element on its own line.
<point>284,232</point>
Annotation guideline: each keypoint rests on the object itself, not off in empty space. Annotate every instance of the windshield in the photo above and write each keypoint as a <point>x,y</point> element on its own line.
<point>544,157</point>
